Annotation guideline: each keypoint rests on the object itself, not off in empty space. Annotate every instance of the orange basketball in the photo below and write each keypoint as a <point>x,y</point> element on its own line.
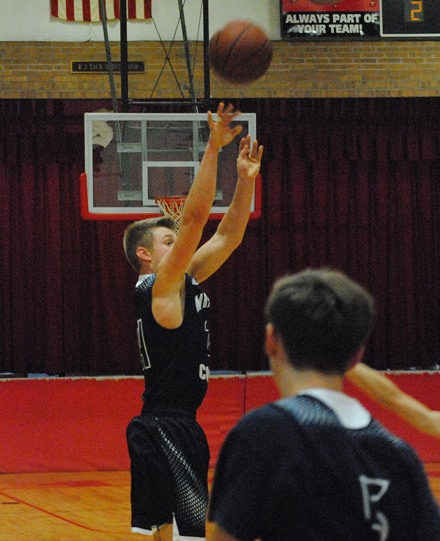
<point>240,52</point>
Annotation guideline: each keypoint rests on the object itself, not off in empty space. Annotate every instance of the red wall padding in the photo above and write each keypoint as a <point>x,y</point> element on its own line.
<point>78,424</point>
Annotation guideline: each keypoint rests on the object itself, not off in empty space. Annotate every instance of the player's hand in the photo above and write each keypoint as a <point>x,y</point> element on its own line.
<point>221,132</point>
<point>249,158</point>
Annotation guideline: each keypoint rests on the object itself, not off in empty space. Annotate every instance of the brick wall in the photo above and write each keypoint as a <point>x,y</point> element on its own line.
<point>314,69</point>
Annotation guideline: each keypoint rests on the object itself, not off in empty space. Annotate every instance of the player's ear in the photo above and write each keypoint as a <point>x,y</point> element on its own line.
<point>143,253</point>
<point>271,344</point>
<point>357,357</point>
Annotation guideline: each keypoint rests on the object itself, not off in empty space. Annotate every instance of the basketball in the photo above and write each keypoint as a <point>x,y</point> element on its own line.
<point>240,52</point>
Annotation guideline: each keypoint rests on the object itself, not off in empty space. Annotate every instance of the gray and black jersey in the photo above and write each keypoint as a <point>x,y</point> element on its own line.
<point>175,361</point>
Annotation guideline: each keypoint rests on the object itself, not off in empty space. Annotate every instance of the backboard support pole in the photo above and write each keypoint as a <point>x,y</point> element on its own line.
<point>193,102</point>
<point>108,56</point>
<point>206,72</point>
<point>124,55</point>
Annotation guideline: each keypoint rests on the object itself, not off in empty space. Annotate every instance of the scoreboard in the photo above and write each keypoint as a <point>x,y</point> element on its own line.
<point>410,18</point>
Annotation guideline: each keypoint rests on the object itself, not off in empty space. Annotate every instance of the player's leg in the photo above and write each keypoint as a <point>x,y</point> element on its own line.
<point>152,485</point>
<point>186,448</point>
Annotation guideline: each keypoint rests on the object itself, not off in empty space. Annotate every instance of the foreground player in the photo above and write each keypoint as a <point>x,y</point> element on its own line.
<point>168,449</point>
<point>315,464</point>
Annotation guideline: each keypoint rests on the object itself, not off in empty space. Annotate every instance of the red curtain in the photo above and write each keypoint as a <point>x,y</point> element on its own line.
<point>349,183</point>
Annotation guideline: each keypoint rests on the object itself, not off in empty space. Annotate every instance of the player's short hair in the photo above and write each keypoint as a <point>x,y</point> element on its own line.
<point>322,318</point>
<point>140,233</point>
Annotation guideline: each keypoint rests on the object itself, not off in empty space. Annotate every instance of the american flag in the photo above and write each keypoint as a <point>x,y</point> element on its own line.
<point>89,10</point>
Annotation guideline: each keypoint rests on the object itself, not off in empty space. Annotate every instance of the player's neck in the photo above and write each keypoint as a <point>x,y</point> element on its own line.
<point>290,382</point>
<point>146,269</point>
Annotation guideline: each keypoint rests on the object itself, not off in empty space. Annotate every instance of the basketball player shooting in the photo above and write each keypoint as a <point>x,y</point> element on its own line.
<point>168,449</point>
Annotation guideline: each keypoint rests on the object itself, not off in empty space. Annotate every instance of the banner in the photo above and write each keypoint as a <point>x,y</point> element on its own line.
<point>330,19</point>
<point>89,10</point>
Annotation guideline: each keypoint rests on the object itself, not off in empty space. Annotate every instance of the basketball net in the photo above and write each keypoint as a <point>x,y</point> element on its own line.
<point>172,207</point>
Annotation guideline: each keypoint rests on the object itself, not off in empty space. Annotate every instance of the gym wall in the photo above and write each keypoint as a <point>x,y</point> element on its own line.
<point>374,69</point>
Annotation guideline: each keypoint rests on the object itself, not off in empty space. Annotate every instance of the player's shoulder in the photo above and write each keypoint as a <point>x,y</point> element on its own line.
<point>296,411</point>
<point>265,419</point>
<point>191,282</point>
<point>399,446</point>
<point>145,282</point>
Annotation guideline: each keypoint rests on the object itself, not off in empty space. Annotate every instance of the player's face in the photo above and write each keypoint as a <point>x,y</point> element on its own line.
<point>163,241</point>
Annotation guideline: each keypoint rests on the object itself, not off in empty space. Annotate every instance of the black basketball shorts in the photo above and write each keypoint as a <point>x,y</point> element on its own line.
<point>169,457</point>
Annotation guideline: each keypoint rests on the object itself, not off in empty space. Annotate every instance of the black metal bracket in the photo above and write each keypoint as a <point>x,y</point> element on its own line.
<point>192,102</point>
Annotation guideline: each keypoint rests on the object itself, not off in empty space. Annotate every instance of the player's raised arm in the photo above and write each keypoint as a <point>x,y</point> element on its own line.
<point>232,227</point>
<point>386,393</point>
<point>170,271</point>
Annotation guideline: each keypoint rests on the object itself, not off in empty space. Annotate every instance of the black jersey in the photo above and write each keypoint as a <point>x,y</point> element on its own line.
<point>175,361</point>
<point>300,474</point>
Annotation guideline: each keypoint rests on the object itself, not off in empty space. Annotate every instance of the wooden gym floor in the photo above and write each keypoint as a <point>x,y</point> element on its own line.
<point>89,506</point>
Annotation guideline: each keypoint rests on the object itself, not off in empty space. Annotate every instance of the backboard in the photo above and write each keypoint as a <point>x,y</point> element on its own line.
<point>133,158</point>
